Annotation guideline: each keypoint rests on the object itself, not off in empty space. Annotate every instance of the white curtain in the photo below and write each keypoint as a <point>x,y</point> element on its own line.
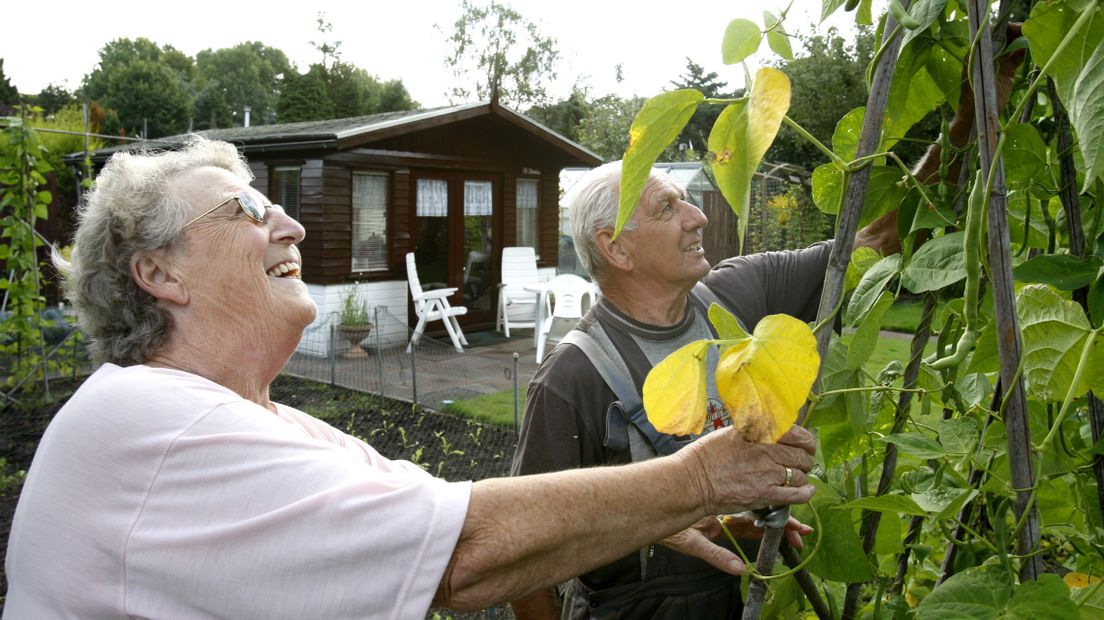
<point>369,221</point>
<point>432,200</point>
<point>477,198</point>
<point>527,213</point>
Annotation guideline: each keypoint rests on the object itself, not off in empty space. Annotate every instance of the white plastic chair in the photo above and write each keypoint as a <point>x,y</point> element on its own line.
<point>433,305</point>
<point>571,297</point>
<point>516,305</point>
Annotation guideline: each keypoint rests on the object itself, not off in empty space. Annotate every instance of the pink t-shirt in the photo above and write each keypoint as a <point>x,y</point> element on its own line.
<point>156,493</point>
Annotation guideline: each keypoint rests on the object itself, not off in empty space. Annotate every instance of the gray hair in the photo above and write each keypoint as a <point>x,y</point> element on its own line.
<point>131,210</point>
<point>592,205</point>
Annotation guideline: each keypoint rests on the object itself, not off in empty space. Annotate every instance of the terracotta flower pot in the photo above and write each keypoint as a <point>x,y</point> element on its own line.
<point>355,334</point>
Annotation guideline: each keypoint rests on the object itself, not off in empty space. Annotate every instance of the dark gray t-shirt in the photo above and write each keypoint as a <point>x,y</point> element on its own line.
<point>565,413</point>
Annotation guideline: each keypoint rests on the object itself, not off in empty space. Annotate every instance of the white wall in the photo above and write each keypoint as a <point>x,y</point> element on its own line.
<point>391,296</point>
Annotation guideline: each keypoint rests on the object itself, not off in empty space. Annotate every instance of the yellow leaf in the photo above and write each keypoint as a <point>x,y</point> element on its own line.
<point>674,391</point>
<point>765,379</point>
<point>1079,580</point>
<point>741,136</point>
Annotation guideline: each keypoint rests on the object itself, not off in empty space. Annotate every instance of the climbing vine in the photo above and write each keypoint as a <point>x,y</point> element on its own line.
<point>23,202</point>
<point>965,480</point>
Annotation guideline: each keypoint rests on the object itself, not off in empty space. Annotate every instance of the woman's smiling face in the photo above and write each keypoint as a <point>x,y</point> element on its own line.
<point>241,274</point>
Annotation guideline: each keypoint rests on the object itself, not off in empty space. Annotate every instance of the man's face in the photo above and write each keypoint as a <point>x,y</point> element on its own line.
<point>666,245</point>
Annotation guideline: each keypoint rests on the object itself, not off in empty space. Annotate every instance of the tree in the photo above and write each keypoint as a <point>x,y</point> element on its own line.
<point>605,128</point>
<point>148,87</point>
<point>563,116</point>
<point>229,79</point>
<point>53,98</point>
<point>335,89</point>
<point>304,97</point>
<point>696,133</point>
<point>828,81</point>
<point>500,55</point>
<point>9,96</point>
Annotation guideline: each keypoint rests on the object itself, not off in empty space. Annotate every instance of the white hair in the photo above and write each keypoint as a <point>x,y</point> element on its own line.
<point>130,210</point>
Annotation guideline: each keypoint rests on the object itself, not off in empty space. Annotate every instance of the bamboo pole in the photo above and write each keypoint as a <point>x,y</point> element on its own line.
<point>1067,192</point>
<point>1009,347</point>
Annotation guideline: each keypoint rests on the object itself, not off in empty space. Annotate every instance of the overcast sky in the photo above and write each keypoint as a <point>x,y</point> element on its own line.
<point>59,42</point>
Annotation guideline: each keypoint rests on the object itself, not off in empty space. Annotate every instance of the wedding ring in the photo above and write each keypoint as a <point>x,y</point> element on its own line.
<point>789,477</point>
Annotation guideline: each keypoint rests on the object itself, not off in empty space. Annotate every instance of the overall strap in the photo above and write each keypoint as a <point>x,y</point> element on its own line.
<point>646,442</point>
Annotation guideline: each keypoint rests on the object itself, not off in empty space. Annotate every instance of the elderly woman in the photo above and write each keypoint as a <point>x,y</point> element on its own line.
<point>171,486</point>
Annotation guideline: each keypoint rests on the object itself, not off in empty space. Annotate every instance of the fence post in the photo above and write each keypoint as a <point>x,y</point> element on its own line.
<point>414,373</point>
<point>379,347</point>
<point>517,395</point>
<point>333,352</point>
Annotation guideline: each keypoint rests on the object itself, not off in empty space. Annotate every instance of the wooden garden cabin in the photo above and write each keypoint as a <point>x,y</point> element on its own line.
<point>453,184</point>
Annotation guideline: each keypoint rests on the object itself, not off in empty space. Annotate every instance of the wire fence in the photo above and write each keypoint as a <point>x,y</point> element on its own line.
<point>395,399</point>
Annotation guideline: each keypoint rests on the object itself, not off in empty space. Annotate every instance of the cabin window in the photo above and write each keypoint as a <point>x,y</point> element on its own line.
<point>286,189</point>
<point>370,192</point>
<point>527,214</point>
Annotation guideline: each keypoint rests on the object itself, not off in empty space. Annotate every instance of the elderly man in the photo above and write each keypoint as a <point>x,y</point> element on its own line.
<point>171,486</point>
<point>656,289</point>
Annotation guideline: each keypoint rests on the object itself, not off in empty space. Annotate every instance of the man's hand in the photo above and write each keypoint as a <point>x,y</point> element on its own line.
<point>732,475</point>
<point>697,540</point>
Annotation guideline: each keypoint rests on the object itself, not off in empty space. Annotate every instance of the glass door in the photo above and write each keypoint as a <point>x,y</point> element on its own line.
<point>455,239</point>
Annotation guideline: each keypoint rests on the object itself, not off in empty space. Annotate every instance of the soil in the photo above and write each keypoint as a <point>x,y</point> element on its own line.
<point>446,446</point>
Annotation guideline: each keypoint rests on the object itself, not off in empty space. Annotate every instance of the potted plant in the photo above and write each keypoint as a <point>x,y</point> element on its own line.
<point>354,325</point>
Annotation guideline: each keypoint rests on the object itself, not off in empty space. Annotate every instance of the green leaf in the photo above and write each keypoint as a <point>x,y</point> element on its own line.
<point>979,592</point>
<point>840,557</point>
<point>888,503</point>
<point>862,259</point>
<point>938,498</point>
<point>776,36</point>
<point>836,408</point>
<point>925,12</point>
<point>1054,332</point>
<point>917,445</point>
<point>845,138</point>
<point>884,191</point>
<point>741,136</point>
<point>1017,216</point>
<point>1062,271</point>
<point>1090,601</point>
<point>1046,597</point>
<point>1047,26</point>
<point>827,188</point>
<point>959,435</point>
<point>1086,112</point>
<point>870,287</point>
<point>866,336</point>
<point>938,263</point>
<point>1096,302</point>
<point>915,91</point>
<point>741,39</point>
<point>656,125</point>
<point>1024,154</point>
<point>728,328</point>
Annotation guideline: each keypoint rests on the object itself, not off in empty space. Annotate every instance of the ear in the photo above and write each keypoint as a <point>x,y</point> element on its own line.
<point>155,274</point>
<point>615,252</point>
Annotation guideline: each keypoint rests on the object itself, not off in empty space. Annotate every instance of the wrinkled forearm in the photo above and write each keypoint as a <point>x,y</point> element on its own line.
<point>526,533</point>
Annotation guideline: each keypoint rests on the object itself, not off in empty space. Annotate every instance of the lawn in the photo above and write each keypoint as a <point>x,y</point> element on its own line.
<point>496,408</point>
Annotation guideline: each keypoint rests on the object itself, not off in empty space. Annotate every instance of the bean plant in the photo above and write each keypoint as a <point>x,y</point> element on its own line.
<point>965,483</point>
<point>23,202</point>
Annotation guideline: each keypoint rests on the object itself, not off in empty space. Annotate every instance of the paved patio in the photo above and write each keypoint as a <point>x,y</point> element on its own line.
<point>434,373</point>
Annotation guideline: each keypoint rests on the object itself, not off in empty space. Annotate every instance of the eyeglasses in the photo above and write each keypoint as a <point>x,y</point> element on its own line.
<point>253,209</point>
